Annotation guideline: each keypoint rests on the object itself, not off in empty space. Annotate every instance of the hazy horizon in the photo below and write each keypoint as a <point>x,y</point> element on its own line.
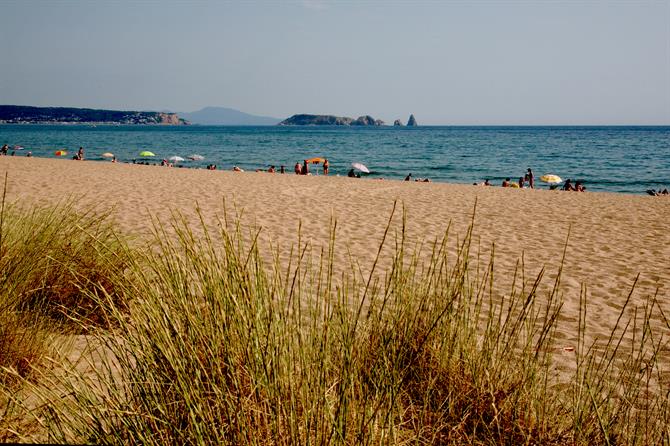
<point>448,63</point>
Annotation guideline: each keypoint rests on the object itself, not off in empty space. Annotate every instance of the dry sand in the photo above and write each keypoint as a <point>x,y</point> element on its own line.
<point>613,237</point>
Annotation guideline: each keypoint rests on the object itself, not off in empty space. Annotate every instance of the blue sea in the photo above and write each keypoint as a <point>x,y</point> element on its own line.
<point>615,159</point>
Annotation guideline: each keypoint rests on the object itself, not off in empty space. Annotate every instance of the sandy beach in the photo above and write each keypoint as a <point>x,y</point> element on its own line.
<point>613,237</point>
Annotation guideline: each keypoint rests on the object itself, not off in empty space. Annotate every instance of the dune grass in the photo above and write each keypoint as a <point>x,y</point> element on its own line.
<point>52,260</point>
<point>214,345</point>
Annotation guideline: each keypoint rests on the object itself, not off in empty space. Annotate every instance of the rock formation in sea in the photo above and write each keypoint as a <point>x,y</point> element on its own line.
<point>412,121</point>
<point>304,119</point>
<point>397,123</point>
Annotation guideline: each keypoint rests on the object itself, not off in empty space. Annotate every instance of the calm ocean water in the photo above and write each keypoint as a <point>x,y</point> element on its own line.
<point>615,159</point>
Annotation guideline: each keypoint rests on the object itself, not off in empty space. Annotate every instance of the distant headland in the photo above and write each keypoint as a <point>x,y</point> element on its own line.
<point>21,114</point>
<point>367,120</point>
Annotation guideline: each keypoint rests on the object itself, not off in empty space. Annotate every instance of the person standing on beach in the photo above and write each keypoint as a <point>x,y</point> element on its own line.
<point>531,179</point>
<point>297,169</point>
<point>326,165</point>
<point>5,148</point>
<point>305,168</point>
<point>282,169</point>
<point>80,154</point>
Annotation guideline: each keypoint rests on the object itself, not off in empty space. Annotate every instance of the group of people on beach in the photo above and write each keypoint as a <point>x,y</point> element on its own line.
<point>303,169</point>
<point>577,187</point>
<point>525,182</point>
<point>417,180</point>
<point>658,193</point>
<point>528,181</point>
<point>5,149</point>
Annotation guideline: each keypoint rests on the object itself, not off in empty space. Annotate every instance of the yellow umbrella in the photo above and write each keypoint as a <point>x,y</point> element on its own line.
<point>60,153</point>
<point>315,160</point>
<point>514,185</point>
<point>551,179</point>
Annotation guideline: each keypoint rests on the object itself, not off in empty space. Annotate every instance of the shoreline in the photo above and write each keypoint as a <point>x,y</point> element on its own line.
<point>600,158</point>
<point>154,162</point>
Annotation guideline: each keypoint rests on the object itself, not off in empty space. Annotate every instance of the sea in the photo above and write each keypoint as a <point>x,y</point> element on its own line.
<point>615,159</point>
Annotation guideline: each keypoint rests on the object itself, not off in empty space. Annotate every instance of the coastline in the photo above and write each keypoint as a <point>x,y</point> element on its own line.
<point>600,157</point>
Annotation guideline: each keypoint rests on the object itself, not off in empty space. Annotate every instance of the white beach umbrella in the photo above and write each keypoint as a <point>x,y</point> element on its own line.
<point>196,157</point>
<point>551,179</point>
<point>176,159</point>
<point>107,155</point>
<point>361,167</point>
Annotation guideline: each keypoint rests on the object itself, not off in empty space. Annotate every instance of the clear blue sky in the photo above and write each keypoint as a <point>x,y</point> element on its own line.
<point>448,62</point>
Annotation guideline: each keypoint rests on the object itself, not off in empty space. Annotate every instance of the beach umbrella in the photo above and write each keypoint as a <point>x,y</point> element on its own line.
<point>196,157</point>
<point>60,153</point>
<point>315,160</point>
<point>361,167</point>
<point>147,153</point>
<point>175,159</point>
<point>107,155</point>
<point>551,179</point>
<point>18,148</point>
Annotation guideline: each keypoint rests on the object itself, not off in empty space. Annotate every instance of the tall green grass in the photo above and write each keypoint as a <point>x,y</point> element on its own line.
<point>52,262</point>
<point>216,346</point>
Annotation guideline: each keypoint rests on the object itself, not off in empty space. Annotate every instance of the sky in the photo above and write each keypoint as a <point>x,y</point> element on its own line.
<point>447,62</point>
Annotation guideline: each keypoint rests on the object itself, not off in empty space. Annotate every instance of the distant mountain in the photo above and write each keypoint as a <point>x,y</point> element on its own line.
<point>226,116</point>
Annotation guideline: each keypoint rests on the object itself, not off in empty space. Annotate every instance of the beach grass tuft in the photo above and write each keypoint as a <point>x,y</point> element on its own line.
<point>208,342</point>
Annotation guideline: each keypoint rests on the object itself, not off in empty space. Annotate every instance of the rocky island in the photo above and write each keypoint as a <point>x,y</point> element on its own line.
<point>20,114</point>
<point>303,119</point>
<point>411,122</point>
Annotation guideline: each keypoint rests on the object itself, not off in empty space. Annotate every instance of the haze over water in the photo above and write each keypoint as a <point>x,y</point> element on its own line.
<point>614,159</point>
